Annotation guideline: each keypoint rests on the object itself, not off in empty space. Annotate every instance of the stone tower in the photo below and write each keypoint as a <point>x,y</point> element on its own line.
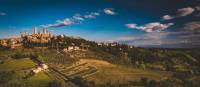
<point>35,30</point>
<point>44,30</point>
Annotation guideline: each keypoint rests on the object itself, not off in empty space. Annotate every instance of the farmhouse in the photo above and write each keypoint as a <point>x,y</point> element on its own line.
<point>40,68</point>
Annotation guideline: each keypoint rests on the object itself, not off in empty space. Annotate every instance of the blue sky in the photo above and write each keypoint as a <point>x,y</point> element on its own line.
<point>146,23</point>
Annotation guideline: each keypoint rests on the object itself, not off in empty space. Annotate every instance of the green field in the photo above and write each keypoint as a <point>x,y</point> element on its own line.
<point>14,72</point>
<point>39,80</point>
<point>17,64</point>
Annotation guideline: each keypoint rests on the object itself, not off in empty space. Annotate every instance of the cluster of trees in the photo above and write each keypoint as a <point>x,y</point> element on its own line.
<point>12,79</point>
<point>5,76</point>
<point>143,82</point>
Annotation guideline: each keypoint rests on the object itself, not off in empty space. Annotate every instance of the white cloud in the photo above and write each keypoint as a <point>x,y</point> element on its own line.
<point>92,15</point>
<point>59,23</point>
<point>109,11</point>
<point>185,11</point>
<point>150,27</point>
<point>78,17</point>
<point>131,25</point>
<point>95,13</point>
<point>2,14</point>
<point>167,17</point>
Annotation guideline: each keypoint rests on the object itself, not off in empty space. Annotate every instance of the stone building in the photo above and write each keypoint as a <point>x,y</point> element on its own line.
<point>35,38</point>
<point>38,37</point>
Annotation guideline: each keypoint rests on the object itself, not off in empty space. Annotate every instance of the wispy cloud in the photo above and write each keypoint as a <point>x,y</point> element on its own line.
<point>92,15</point>
<point>197,8</point>
<point>131,25</point>
<point>2,14</point>
<point>79,18</point>
<point>192,26</point>
<point>109,11</point>
<point>59,23</point>
<point>76,19</point>
<point>167,17</point>
<point>187,36</point>
<point>198,11</point>
<point>185,11</point>
<point>181,13</point>
<point>150,27</point>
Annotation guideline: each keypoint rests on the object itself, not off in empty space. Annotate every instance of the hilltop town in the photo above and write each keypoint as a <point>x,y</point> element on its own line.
<point>37,39</point>
<point>46,39</point>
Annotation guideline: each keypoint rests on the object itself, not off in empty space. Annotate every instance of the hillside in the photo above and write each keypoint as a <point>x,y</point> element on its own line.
<point>120,74</point>
<point>14,72</point>
<point>78,62</point>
